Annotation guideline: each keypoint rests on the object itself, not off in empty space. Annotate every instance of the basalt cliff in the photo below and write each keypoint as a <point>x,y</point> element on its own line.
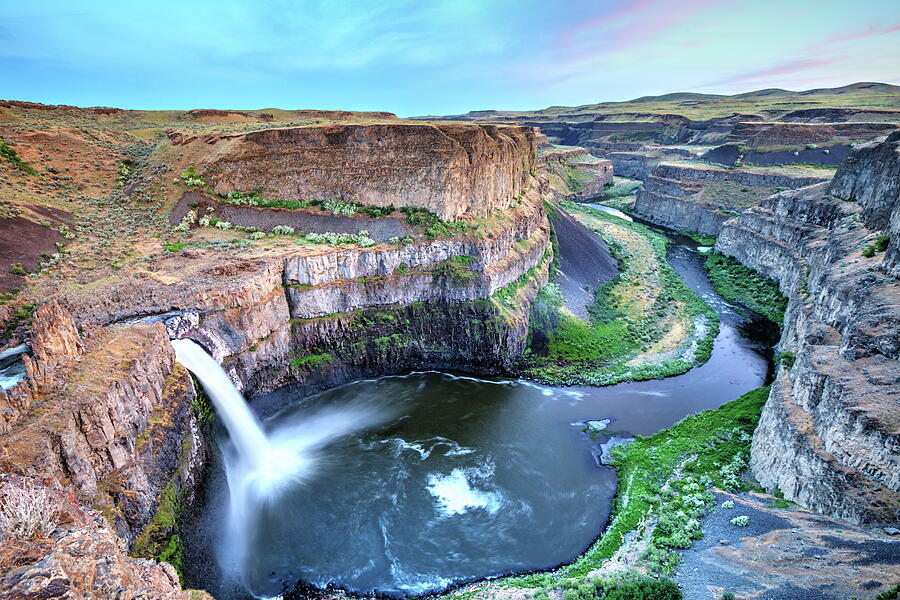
<point>829,437</point>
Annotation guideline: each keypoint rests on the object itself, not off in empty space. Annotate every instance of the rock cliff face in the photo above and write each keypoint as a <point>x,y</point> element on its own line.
<point>829,436</point>
<point>118,430</point>
<point>383,310</point>
<point>572,173</point>
<point>452,170</point>
<point>700,198</point>
<point>80,557</point>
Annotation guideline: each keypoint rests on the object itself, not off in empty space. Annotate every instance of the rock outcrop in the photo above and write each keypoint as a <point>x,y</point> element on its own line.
<point>118,430</point>
<point>80,558</point>
<point>452,170</point>
<point>829,437</point>
<point>697,197</point>
<point>55,345</point>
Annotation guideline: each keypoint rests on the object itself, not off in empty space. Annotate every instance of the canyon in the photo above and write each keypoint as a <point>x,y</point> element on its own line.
<point>305,250</point>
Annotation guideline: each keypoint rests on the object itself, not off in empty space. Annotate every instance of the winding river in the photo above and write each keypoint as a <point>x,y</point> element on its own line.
<point>454,478</point>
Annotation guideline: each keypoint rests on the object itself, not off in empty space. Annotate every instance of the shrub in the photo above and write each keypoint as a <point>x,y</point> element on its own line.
<point>879,245</point>
<point>338,207</point>
<point>432,225</point>
<point>173,246</point>
<point>283,230</point>
<point>376,212</point>
<point>785,359</point>
<point>728,504</point>
<point>191,179</point>
<point>189,219</point>
<point>741,521</point>
<point>66,232</point>
<point>26,510</point>
<point>224,225</point>
<point>257,235</point>
<point>17,269</point>
<point>889,594</point>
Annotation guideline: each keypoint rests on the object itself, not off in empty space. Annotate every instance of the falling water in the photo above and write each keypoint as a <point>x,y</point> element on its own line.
<point>242,424</point>
<point>260,466</point>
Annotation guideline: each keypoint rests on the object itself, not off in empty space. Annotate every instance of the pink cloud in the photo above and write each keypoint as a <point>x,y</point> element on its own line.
<point>631,23</point>
<point>856,35</point>
<point>796,65</point>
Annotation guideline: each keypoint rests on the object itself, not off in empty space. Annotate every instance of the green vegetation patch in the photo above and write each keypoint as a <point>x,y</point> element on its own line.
<point>258,199</point>
<point>621,325</point>
<point>878,246</point>
<point>159,539</point>
<point>308,362</point>
<point>9,154</point>
<point>457,270</point>
<point>621,187</point>
<point>669,474</point>
<point>742,285</point>
<point>431,225</point>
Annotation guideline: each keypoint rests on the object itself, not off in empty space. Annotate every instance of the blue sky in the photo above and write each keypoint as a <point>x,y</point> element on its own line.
<point>420,57</point>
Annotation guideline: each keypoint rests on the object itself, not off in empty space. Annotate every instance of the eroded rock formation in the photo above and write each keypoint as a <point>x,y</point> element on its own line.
<point>701,197</point>
<point>452,170</point>
<point>829,437</point>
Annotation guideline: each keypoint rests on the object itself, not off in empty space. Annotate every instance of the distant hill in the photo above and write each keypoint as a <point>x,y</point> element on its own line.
<point>881,101</point>
<point>676,96</point>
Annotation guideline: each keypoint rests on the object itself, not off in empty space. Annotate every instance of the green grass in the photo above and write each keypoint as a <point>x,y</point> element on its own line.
<point>700,238</point>
<point>595,352</point>
<point>621,186</point>
<point>704,447</point>
<point>744,286</point>
<point>9,154</point>
<point>308,362</point>
<point>575,178</point>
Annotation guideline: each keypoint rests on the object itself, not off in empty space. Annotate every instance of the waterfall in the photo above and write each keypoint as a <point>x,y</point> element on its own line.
<point>259,465</point>
<point>241,423</point>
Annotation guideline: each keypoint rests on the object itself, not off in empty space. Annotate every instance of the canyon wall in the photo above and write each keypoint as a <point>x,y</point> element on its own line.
<point>828,437</point>
<point>701,198</point>
<point>452,170</point>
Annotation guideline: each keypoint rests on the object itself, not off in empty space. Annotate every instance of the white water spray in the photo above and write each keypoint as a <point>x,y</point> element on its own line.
<point>259,466</point>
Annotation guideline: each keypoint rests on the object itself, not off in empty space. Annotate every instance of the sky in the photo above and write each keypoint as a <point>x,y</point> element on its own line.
<point>416,57</point>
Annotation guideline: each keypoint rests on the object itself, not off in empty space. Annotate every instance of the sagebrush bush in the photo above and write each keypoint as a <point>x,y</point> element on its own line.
<point>26,510</point>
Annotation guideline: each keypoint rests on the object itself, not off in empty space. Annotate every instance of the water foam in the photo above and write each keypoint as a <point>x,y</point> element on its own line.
<point>454,494</point>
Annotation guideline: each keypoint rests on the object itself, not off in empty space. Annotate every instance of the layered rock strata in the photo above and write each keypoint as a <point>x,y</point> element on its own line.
<point>451,170</point>
<point>829,436</point>
<point>701,198</point>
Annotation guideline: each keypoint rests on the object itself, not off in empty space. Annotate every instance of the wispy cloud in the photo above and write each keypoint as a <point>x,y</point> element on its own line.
<point>798,65</point>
